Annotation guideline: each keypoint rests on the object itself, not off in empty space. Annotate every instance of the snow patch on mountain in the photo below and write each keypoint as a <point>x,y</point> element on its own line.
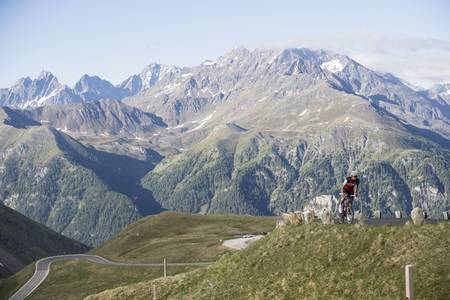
<point>209,62</point>
<point>171,86</point>
<point>41,101</point>
<point>334,66</point>
<point>202,122</point>
<point>303,113</point>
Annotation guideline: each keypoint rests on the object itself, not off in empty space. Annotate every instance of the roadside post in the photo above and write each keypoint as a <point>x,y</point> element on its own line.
<point>165,267</point>
<point>154,293</point>
<point>409,282</point>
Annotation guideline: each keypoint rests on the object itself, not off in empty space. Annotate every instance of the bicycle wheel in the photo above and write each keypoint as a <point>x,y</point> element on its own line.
<point>349,216</point>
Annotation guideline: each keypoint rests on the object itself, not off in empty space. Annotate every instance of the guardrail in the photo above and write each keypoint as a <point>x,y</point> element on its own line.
<point>376,219</point>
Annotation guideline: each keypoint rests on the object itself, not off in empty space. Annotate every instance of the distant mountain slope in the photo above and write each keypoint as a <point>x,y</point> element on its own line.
<point>23,241</point>
<point>16,118</point>
<point>272,75</point>
<point>296,151</point>
<point>85,194</point>
<point>150,75</point>
<point>92,88</point>
<point>107,117</point>
<point>440,91</point>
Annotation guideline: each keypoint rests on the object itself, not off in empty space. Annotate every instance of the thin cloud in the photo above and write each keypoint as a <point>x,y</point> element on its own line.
<point>421,61</point>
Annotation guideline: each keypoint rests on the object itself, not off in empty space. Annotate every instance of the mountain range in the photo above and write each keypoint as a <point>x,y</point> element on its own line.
<point>176,92</point>
<point>46,90</point>
<point>252,132</point>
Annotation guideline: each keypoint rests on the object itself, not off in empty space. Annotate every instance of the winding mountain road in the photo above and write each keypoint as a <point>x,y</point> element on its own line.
<point>43,269</point>
<point>43,265</point>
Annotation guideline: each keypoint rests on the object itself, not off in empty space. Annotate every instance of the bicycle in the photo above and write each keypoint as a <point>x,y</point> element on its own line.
<point>346,210</point>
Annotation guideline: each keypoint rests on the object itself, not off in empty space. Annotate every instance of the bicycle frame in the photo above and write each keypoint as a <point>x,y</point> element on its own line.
<point>347,214</point>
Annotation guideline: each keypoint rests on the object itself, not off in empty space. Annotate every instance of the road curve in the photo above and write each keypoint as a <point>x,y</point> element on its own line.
<point>43,269</point>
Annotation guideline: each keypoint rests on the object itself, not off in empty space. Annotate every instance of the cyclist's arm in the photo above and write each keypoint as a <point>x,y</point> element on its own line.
<point>345,181</point>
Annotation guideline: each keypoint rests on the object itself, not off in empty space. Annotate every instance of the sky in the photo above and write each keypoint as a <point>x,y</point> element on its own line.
<point>114,39</point>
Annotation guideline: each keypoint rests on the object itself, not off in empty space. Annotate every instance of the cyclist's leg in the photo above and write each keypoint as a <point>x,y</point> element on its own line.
<point>344,206</point>
<point>350,201</point>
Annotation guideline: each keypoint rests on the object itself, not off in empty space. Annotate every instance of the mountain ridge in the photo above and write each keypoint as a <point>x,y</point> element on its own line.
<point>416,107</point>
<point>107,117</point>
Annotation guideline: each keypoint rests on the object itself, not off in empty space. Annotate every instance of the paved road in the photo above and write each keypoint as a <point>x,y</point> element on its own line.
<point>43,268</point>
<point>241,243</point>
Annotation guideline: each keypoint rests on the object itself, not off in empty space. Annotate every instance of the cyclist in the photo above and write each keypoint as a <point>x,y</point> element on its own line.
<point>349,190</point>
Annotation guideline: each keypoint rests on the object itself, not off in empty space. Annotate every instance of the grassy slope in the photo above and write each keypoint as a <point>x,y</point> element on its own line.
<point>318,262</point>
<point>25,240</point>
<point>76,280</point>
<point>9,285</point>
<point>178,237</point>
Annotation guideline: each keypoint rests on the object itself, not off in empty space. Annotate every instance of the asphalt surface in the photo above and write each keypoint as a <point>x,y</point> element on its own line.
<point>43,269</point>
<point>241,243</point>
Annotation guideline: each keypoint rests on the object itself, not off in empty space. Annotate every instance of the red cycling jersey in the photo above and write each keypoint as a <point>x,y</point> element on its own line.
<point>349,186</point>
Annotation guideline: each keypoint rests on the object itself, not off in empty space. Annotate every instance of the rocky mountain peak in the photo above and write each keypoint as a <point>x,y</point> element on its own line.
<point>441,89</point>
<point>45,75</point>
<point>92,88</point>
<point>22,82</point>
<point>132,85</point>
<point>155,72</point>
<point>87,81</point>
<point>238,52</point>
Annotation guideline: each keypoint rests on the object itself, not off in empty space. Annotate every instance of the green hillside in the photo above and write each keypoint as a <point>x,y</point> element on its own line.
<point>83,193</point>
<point>23,241</point>
<point>262,155</point>
<point>317,262</point>
<point>265,172</point>
<point>177,237</point>
<point>180,237</point>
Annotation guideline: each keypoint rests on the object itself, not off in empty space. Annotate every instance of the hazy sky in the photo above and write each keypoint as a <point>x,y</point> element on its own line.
<point>114,39</point>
